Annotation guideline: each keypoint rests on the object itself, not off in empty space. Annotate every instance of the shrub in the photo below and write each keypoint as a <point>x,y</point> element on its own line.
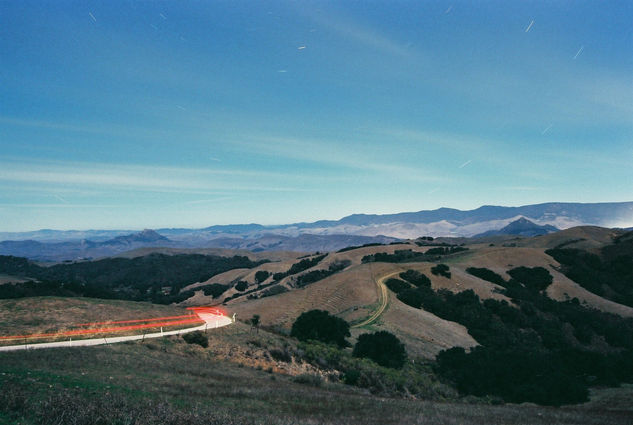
<point>261,276</point>
<point>486,274</point>
<point>535,278</point>
<point>441,270</point>
<point>399,256</point>
<point>412,297</point>
<point>416,278</point>
<point>309,379</point>
<point>351,377</point>
<point>275,290</point>
<point>382,347</point>
<point>196,337</point>
<point>445,250</point>
<point>316,275</point>
<point>280,355</point>
<point>305,264</point>
<point>241,286</point>
<point>397,285</point>
<point>215,289</point>
<point>319,325</point>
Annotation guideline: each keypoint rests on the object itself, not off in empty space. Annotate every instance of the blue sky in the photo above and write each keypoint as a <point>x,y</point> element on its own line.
<point>125,114</point>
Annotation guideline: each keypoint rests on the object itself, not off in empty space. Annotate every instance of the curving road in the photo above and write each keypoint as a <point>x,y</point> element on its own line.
<point>384,300</point>
<point>211,321</point>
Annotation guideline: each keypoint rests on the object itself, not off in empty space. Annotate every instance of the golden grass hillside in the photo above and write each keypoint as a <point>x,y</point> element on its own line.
<point>354,293</point>
<point>37,315</point>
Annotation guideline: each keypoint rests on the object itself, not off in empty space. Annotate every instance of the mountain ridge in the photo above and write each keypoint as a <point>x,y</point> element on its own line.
<point>520,227</point>
<point>323,235</point>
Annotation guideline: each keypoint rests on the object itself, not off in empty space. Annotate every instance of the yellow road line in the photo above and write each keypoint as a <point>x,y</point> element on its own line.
<point>384,299</point>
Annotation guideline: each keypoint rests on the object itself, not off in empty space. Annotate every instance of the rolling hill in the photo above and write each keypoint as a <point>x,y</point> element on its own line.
<point>463,304</point>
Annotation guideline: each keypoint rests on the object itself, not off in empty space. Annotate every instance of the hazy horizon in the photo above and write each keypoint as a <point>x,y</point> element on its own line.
<point>133,115</point>
<point>625,224</point>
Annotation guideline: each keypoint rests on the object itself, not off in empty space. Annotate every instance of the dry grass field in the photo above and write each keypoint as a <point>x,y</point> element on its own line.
<point>57,314</point>
<point>354,295</point>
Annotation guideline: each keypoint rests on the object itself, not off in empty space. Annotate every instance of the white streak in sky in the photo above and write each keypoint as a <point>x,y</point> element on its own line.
<point>92,16</point>
<point>282,71</point>
<point>301,47</point>
<point>162,16</point>
<point>466,163</point>
<point>431,192</point>
<point>547,129</point>
<point>448,10</point>
<point>579,52</point>
<point>180,107</point>
<point>61,199</point>
<point>529,26</point>
<point>204,201</point>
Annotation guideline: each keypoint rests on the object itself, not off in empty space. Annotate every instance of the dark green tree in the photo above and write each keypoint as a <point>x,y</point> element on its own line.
<point>255,322</point>
<point>196,337</point>
<point>261,276</point>
<point>382,347</point>
<point>319,325</point>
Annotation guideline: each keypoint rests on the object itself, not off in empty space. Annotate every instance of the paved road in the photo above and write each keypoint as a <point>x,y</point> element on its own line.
<point>384,299</point>
<point>211,321</point>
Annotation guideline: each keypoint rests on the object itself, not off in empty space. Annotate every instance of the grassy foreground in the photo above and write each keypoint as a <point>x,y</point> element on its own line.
<point>170,382</point>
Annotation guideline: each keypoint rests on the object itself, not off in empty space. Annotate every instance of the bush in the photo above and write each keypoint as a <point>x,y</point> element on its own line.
<point>319,325</point>
<point>441,270</point>
<point>516,376</point>
<point>275,290</point>
<point>535,278</point>
<point>399,256</point>
<point>397,285</point>
<point>609,275</point>
<point>309,379</point>
<point>316,275</point>
<point>215,289</point>
<point>281,355</point>
<point>196,337</point>
<point>416,278</point>
<point>241,286</point>
<point>261,276</point>
<point>445,250</point>
<point>382,347</point>
<point>486,274</point>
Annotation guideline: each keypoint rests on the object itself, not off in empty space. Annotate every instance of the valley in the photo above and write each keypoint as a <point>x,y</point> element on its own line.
<point>377,287</point>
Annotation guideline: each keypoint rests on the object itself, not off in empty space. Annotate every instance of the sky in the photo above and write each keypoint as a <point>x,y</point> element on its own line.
<point>150,114</point>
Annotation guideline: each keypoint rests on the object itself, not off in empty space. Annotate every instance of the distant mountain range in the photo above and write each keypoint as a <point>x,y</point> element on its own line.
<point>521,227</point>
<point>324,235</point>
<point>86,249</point>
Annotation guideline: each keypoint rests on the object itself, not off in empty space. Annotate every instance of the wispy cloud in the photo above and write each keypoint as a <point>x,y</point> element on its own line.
<point>141,177</point>
<point>69,206</point>
<point>209,201</point>
<point>332,153</point>
<point>352,29</point>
